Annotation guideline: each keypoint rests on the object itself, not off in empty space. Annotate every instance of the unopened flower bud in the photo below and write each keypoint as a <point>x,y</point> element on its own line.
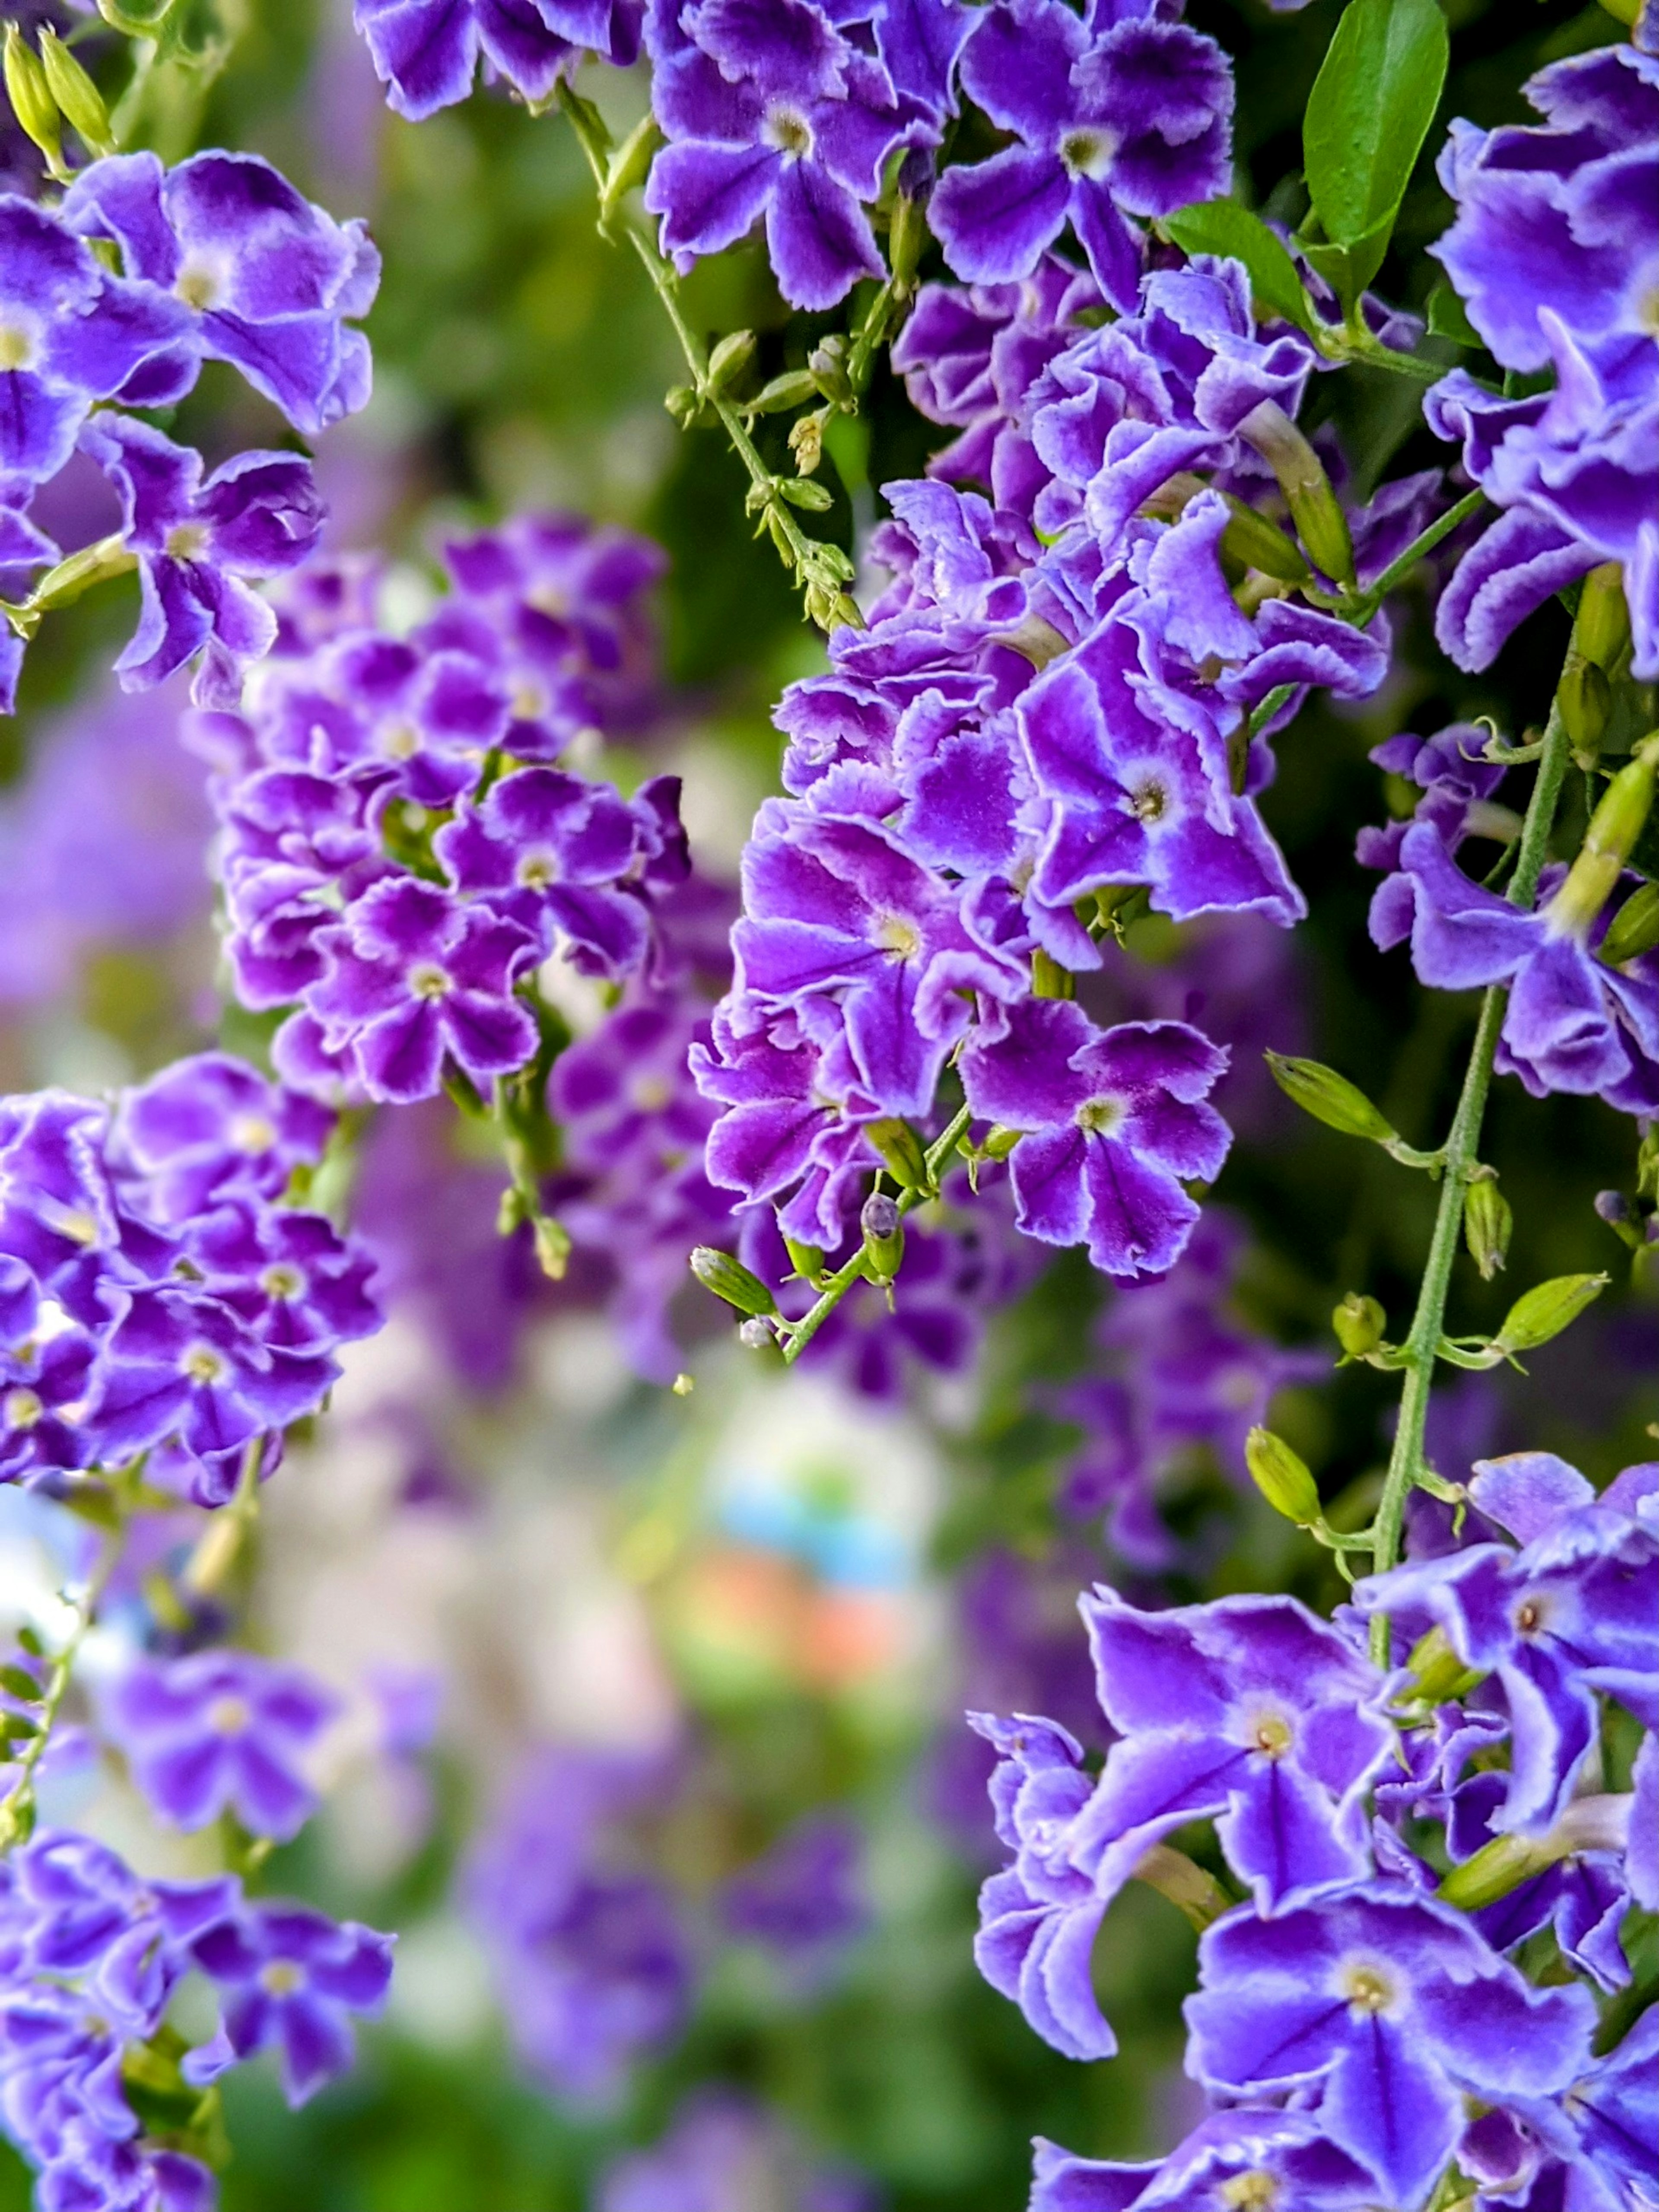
<point>1601,629</point>
<point>1620,818</point>
<point>1441,1676</point>
<point>1048,979</point>
<point>1256,543</point>
<point>729,360</point>
<point>75,93</point>
<point>1282,1476</point>
<point>552,1247</point>
<point>828,363</point>
<point>1585,698</point>
<point>1634,929</point>
<point>791,390</point>
<point>806,438</point>
<point>1613,1207</point>
<point>1314,508</point>
<point>1000,1142</point>
<point>1546,1310</point>
<point>907,237</point>
<point>806,1260</point>
<point>1358,1322</point>
<point>1488,1222</point>
<point>730,1280</point>
<point>30,96</point>
<point>805,492</point>
<point>683,1384</point>
<point>683,404</point>
<point>1329,1098</point>
<point>755,1335</point>
<point>1494,1870</point>
<point>884,1234</point>
<point>901,1151</point>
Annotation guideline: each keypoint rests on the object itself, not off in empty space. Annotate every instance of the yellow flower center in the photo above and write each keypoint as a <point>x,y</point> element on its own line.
<point>229,1715</point>
<point>428,981</point>
<point>187,541</point>
<point>1252,2190</point>
<point>198,285</point>
<point>1367,1988</point>
<point>282,1280</point>
<point>1271,1734</point>
<point>1088,153</point>
<point>1100,1117</point>
<point>788,129</point>
<point>281,1977</point>
<point>24,1408</point>
<point>203,1364</point>
<point>17,347</point>
<point>895,934</point>
<point>252,1134</point>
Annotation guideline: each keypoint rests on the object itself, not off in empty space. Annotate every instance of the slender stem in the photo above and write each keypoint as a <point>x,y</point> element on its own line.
<point>1400,567</point>
<point>1421,1347</point>
<point>221,1541</point>
<point>14,1803</point>
<point>806,553</point>
<point>801,1333</point>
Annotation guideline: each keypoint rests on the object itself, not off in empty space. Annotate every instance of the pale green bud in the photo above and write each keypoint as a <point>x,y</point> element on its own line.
<point>729,360</point>
<point>1488,1222</point>
<point>901,1151</point>
<point>1314,508</point>
<point>1601,629</point>
<point>730,1280</point>
<point>1546,1310</point>
<point>1620,818</point>
<point>884,1234</point>
<point>1329,1098</point>
<point>1634,929</point>
<point>1359,1323</point>
<point>1283,1477</point>
<point>31,99</point>
<point>76,93</point>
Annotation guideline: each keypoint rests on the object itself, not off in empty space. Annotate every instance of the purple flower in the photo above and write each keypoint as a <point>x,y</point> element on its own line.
<point>1230,2159</point>
<point>1575,1612</point>
<point>181,1367</point>
<point>1573,1023</point>
<point>1247,1710</point>
<point>43,1383</point>
<point>427,52</point>
<point>1575,469</point>
<point>211,1127</point>
<point>1388,2009</point>
<point>1559,215</point>
<point>198,544</point>
<point>592,1963</point>
<point>294,1281</point>
<point>804,1899</point>
<point>624,1095</point>
<point>555,853</point>
<point>221,1731</point>
<point>415,975</point>
<point>291,1980</point>
<point>769,110</point>
<point>720,2152</point>
<point>61,1212</point>
<point>269,279</point>
<point>790,1131</point>
<point>1113,1122</point>
<point>1137,117</point>
<point>89,1915</point>
<point>70,333</point>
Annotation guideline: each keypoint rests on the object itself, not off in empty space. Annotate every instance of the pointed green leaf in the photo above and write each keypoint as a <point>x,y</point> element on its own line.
<point>1225,226</point>
<point>1370,111</point>
<point>1448,318</point>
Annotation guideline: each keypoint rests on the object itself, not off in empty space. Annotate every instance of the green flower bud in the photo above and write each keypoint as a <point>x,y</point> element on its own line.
<point>791,390</point>
<point>1546,1310</point>
<point>907,237</point>
<point>31,99</point>
<point>1314,508</point>
<point>1441,1676</point>
<point>730,1280</point>
<point>683,404</point>
<point>1495,1870</point>
<point>1601,629</point>
<point>1488,1221</point>
<point>552,1247</point>
<point>802,491</point>
<point>1619,820</point>
<point>1329,1098</point>
<point>1283,1477</point>
<point>1000,1143</point>
<point>1256,543</point>
<point>806,1260</point>
<point>828,363</point>
<point>629,165</point>
<point>884,1235</point>
<point>76,93</point>
<point>1634,929</point>
<point>1586,702</point>
<point>1359,1323</point>
<point>901,1153</point>
<point>729,360</point>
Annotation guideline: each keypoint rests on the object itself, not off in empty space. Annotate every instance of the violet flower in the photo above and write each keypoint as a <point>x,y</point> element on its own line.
<point>427,53</point>
<point>1235,2158</point>
<point>1133,118</point>
<point>291,1980</point>
<point>803,1898</point>
<point>415,975</point>
<point>1113,1123</point>
<point>1388,2009</point>
<point>269,281</point>
<point>210,1128</point>
<point>198,543</point>
<point>295,1282</point>
<point>221,1731</point>
<point>770,111</point>
<point>722,2151</point>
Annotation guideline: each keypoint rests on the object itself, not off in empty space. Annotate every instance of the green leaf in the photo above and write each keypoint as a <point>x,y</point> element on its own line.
<point>1348,269</point>
<point>18,1682</point>
<point>1448,318</point>
<point>1368,113</point>
<point>1225,226</point>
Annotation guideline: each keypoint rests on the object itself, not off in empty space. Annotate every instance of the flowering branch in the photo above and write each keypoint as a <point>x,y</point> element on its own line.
<point>17,1806</point>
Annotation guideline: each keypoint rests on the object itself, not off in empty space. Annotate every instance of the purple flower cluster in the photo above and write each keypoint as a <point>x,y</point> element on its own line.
<point>1573,1023</point>
<point>219,258</point>
<point>1053,708</point>
<point>1184,1377</point>
<point>399,852</point>
<point>1363,2022</point>
<point>427,53</point>
<point>90,1958</point>
<point>721,2151</point>
<point>158,1301</point>
<point>1554,251</point>
<point>592,1961</point>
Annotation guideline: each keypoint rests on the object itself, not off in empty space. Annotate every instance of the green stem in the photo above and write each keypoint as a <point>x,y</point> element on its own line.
<point>1421,1347</point>
<point>1399,569</point>
<point>836,1286</point>
<point>15,1805</point>
<point>806,554</point>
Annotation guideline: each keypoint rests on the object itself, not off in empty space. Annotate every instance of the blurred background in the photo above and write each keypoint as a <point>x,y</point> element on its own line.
<point>654,1752</point>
